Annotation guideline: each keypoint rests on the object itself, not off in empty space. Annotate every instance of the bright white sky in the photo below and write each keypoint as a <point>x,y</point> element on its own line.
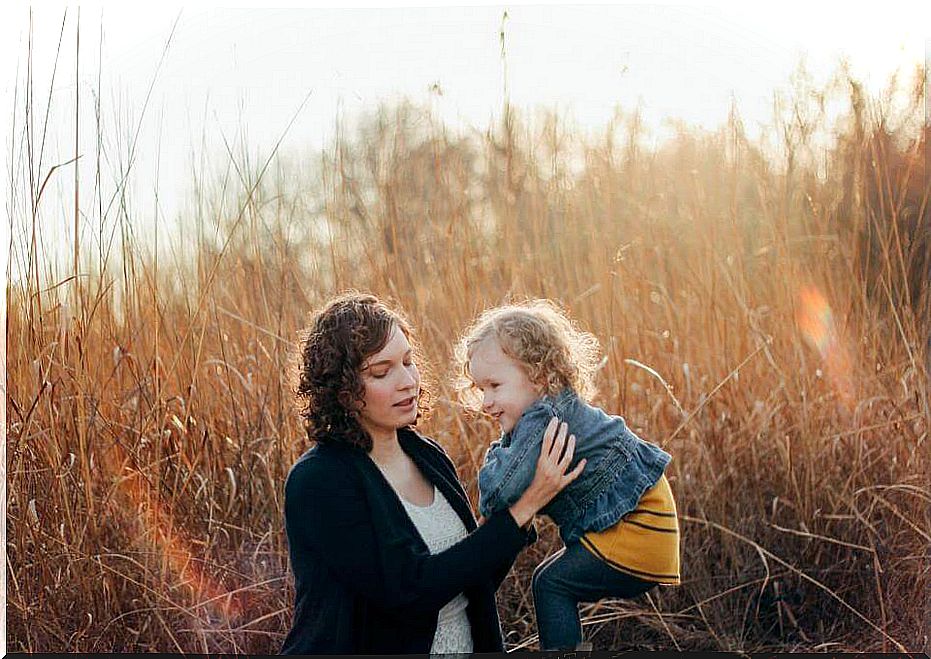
<point>246,69</point>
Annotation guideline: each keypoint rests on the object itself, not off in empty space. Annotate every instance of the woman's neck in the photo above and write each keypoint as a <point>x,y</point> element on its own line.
<point>386,449</point>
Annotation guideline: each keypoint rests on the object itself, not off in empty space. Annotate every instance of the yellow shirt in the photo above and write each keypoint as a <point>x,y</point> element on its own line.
<point>645,542</point>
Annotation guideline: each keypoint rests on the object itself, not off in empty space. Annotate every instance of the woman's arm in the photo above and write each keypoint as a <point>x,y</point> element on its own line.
<point>549,479</point>
<point>330,519</point>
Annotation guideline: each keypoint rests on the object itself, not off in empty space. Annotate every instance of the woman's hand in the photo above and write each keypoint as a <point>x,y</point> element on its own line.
<point>550,477</point>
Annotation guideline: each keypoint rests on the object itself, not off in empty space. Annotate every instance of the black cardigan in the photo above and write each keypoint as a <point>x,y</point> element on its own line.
<point>365,581</point>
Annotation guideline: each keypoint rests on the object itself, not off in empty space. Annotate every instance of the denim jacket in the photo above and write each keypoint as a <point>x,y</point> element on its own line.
<point>620,466</point>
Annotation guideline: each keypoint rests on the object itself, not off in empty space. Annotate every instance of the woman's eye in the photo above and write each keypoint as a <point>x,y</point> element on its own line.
<point>379,374</point>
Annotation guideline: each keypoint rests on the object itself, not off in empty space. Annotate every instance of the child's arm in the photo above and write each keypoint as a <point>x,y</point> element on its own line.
<point>508,470</point>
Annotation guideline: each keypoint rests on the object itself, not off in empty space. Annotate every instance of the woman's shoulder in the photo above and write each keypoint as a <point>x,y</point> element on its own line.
<point>427,443</point>
<point>426,446</point>
<point>321,463</point>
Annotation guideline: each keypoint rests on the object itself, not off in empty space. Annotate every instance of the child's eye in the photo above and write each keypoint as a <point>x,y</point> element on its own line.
<point>379,374</point>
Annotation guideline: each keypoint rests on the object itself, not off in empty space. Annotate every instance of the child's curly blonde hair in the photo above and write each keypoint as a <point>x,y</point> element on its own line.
<point>540,336</point>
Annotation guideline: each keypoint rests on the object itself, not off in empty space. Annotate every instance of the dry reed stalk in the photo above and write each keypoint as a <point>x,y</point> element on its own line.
<point>153,410</point>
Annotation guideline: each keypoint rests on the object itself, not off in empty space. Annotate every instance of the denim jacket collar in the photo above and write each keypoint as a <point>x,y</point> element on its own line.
<point>558,404</point>
<point>563,399</point>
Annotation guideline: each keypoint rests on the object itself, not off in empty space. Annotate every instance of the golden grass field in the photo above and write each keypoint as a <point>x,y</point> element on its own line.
<point>764,310</point>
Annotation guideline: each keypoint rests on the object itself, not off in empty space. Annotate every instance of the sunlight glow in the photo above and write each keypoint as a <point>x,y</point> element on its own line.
<point>816,321</point>
<point>179,558</point>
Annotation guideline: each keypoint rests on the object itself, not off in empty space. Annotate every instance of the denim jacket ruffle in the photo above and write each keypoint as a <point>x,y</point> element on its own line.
<point>620,466</point>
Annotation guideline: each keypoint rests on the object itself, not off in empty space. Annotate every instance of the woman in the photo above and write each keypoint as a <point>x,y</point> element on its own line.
<point>386,554</point>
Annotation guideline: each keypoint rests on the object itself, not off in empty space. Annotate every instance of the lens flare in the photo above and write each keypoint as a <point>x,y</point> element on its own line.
<point>171,543</point>
<point>816,322</point>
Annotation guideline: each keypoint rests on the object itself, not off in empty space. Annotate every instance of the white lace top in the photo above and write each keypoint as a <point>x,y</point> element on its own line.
<point>440,527</point>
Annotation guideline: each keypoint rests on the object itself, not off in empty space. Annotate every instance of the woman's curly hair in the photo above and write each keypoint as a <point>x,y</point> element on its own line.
<point>540,336</point>
<point>341,336</point>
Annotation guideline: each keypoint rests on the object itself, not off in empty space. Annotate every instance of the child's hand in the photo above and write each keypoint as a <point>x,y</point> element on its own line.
<point>481,520</point>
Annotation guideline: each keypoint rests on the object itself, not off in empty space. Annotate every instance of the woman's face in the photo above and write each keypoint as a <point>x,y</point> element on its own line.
<point>392,385</point>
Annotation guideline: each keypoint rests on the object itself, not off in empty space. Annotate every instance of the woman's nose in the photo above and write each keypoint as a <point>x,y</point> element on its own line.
<point>408,379</point>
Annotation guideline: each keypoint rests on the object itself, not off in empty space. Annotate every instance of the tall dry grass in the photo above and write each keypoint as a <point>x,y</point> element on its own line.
<point>764,310</point>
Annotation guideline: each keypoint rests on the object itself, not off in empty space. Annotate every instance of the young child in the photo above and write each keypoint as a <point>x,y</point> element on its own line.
<point>618,518</point>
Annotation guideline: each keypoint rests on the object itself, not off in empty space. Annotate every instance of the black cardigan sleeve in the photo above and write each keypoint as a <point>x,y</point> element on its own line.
<point>498,575</point>
<point>326,510</point>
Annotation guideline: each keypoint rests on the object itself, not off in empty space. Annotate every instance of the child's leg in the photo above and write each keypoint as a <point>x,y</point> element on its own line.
<point>571,576</point>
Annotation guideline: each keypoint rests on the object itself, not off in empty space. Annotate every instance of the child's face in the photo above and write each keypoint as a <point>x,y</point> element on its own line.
<point>506,389</point>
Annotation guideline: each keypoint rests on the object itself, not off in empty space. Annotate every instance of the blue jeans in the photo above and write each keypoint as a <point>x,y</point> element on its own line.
<point>570,576</point>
